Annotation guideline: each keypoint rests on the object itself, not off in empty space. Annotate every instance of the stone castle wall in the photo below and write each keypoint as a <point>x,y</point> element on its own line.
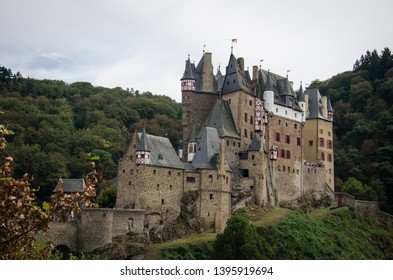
<point>195,109</point>
<point>287,169</point>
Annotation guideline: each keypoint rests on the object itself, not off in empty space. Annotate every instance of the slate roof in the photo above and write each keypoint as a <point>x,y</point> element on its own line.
<point>283,92</point>
<point>300,96</point>
<point>142,146</point>
<point>189,71</point>
<point>315,104</point>
<point>256,143</point>
<point>162,152</point>
<point>329,106</point>
<point>199,71</point>
<point>209,146</point>
<point>236,78</point>
<point>72,185</point>
<point>221,118</point>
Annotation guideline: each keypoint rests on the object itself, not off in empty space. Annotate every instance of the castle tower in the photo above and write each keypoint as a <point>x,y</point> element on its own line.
<point>237,90</point>
<point>199,93</point>
<point>188,79</point>
<point>142,152</point>
<point>318,136</point>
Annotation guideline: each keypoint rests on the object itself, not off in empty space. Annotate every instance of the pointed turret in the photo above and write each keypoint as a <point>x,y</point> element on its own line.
<point>268,94</point>
<point>300,96</point>
<point>302,101</point>
<point>330,110</point>
<point>256,143</point>
<point>188,79</point>
<point>219,79</point>
<point>269,85</point>
<point>142,151</point>
<point>285,91</point>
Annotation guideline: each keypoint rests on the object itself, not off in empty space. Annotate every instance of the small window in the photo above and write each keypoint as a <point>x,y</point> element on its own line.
<point>210,178</point>
<point>245,117</point>
<point>170,187</point>
<point>162,201</point>
<point>211,196</point>
<point>321,142</point>
<point>322,156</point>
<point>310,142</point>
<point>245,133</point>
<point>283,153</point>
<point>227,142</point>
<point>251,120</point>
<point>178,173</point>
<point>124,171</point>
<point>250,102</point>
<point>330,159</point>
<point>288,139</point>
<point>295,125</point>
<point>190,179</point>
<point>288,154</point>
<point>298,141</point>
<point>321,131</point>
<point>277,138</point>
<point>158,187</point>
<point>169,172</point>
<point>154,171</point>
<point>276,110</point>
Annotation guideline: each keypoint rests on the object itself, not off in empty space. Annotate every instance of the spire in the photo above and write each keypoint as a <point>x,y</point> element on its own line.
<point>143,142</point>
<point>330,110</point>
<point>188,71</point>
<point>143,152</point>
<point>300,96</point>
<point>269,86</point>
<point>256,143</point>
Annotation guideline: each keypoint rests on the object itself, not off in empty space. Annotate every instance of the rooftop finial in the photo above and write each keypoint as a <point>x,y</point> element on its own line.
<point>204,46</point>
<point>188,56</point>
<point>260,63</point>
<point>233,42</point>
<point>288,72</point>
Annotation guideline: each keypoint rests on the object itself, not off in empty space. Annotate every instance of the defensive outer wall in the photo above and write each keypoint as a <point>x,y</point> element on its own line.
<point>94,227</point>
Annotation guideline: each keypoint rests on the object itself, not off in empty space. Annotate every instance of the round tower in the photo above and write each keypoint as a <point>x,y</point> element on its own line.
<point>188,79</point>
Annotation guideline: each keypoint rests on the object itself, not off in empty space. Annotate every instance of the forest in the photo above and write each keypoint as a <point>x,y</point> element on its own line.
<point>56,126</point>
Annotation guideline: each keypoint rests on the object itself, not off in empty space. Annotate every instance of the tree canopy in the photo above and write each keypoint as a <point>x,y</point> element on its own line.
<point>57,125</point>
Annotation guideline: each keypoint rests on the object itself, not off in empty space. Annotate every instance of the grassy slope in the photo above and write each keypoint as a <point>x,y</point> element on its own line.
<point>324,234</point>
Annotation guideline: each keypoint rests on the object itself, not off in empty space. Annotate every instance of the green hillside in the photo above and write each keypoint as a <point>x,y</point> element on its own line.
<point>326,234</point>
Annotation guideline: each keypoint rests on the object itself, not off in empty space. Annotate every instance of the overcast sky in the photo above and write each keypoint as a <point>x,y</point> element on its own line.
<point>144,44</point>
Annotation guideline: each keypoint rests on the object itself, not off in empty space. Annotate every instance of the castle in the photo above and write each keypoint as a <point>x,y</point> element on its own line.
<point>243,136</point>
<point>245,139</point>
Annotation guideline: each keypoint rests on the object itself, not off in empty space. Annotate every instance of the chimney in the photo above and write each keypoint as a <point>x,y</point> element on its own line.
<point>207,75</point>
<point>254,73</point>
<point>240,60</point>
